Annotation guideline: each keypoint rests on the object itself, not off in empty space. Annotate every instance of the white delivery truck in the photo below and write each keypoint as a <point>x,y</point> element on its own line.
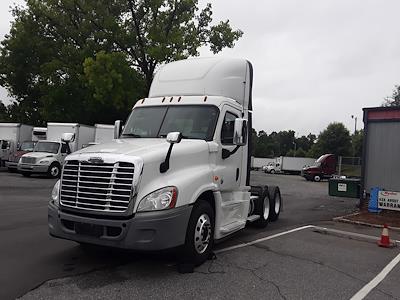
<point>177,176</point>
<point>48,155</point>
<point>11,137</point>
<point>39,134</point>
<point>289,165</point>
<point>83,134</point>
<point>103,133</point>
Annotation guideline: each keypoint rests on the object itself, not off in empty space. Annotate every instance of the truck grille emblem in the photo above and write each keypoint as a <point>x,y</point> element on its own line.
<point>96,160</point>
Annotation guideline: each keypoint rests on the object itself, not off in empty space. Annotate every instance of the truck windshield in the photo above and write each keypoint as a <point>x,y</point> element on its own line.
<point>320,160</point>
<point>50,147</point>
<point>193,121</point>
<point>27,146</point>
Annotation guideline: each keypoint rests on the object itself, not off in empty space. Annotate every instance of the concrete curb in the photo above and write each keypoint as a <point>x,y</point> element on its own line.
<point>351,235</point>
<point>344,219</point>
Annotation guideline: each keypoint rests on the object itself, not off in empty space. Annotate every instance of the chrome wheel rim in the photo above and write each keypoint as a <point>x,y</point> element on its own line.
<point>54,171</point>
<point>202,233</point>
<point>266,208</point>
<point>277,204</point>
<point>317,178</point>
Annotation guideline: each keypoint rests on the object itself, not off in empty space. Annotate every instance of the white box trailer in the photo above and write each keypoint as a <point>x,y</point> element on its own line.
<point>289,165</point>
<point>84,134</point>
<point>103,133</point>
<point>39,134</point>
<point>258,162</point>
<point>11,136</point>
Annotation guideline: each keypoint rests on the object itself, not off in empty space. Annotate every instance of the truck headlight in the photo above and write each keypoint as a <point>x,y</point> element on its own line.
<point>164,198</point>
<point>55,193</point>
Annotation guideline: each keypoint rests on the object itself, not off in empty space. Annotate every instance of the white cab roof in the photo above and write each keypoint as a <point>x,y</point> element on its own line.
<point>226,77</point>
<point>40,129</point>
<point>103,126</point>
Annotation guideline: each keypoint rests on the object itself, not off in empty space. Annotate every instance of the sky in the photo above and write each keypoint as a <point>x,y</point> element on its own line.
<point>315,61</point>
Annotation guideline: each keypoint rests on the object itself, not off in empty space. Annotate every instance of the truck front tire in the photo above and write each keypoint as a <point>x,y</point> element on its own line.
<point>54,170</point>
<point>200,234</point>
<point>317,178</point>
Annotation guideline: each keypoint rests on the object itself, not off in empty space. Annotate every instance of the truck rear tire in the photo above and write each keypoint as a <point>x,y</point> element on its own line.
<point>199,234</point>
<point>275,203</point>
<point>54,170</point>
<point>261,206</point>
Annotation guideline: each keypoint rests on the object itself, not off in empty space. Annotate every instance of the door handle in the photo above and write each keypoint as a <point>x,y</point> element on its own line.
<point>237,174</point>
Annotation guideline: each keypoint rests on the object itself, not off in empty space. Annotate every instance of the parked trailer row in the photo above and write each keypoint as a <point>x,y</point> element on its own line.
<point>41,149</point>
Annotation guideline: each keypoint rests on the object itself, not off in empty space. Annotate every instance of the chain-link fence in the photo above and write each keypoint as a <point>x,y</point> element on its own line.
<point>349,166</point>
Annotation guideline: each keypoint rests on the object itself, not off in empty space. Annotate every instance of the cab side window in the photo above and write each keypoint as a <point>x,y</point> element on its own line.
<point>228,129</point>
<point>65,149</point>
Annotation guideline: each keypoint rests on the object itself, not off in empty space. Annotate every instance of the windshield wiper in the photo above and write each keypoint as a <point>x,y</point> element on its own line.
<point>131,135</point>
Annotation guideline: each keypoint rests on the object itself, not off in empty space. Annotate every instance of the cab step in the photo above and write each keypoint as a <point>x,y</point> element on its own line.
<point>253,218</point>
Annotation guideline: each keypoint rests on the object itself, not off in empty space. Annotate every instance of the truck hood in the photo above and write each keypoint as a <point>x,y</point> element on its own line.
<point>39,154</point>
<point>311,168</point>
<point>149,149</point>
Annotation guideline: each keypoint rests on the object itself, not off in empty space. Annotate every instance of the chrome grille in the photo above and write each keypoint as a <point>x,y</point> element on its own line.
<point>28,160</point>
<point>99,187</point>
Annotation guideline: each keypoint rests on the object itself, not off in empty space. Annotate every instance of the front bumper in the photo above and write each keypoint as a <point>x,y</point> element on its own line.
<point>33,168</point>
<point>145,231</point>
<point>12,165</point>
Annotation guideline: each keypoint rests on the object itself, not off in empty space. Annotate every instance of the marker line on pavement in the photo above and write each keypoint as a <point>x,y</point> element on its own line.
<point>361,294</point>
<point>263,239</point>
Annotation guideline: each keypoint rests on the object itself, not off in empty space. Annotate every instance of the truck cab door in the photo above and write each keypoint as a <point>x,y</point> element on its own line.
<point>234,206</point>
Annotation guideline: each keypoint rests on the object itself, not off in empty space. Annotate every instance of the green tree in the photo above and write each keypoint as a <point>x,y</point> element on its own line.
<point>4,116</point>
<point>115,86</point>
<point>42,58</point>
<point>394,99</point>
<point>334,139</point>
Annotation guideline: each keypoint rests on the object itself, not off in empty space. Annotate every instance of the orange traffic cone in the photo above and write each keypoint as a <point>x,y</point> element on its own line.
<point>385,240</point>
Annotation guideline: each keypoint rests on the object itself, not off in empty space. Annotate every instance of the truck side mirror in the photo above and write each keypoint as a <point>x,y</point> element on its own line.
<point>174,137</point>
<point>117,129</point>
<point>240,132</point>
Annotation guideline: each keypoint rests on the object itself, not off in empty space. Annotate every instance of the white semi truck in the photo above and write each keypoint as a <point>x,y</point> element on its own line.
<point>12,135</point>
<point>177,176</point>
<point>48,155</point>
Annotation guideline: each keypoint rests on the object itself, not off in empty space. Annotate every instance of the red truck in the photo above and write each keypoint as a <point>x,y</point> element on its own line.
<point>324,167</point>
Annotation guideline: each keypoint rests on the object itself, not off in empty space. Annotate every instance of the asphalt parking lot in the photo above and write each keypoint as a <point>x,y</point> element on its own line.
<point>302,264</point>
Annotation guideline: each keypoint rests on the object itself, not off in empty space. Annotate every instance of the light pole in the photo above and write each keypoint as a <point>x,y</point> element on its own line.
<point>355,131</point>
<point>295,146</point>
<point>355,123</point>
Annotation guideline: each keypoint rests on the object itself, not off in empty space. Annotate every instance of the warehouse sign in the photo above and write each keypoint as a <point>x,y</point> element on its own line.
<point>389,200</point>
